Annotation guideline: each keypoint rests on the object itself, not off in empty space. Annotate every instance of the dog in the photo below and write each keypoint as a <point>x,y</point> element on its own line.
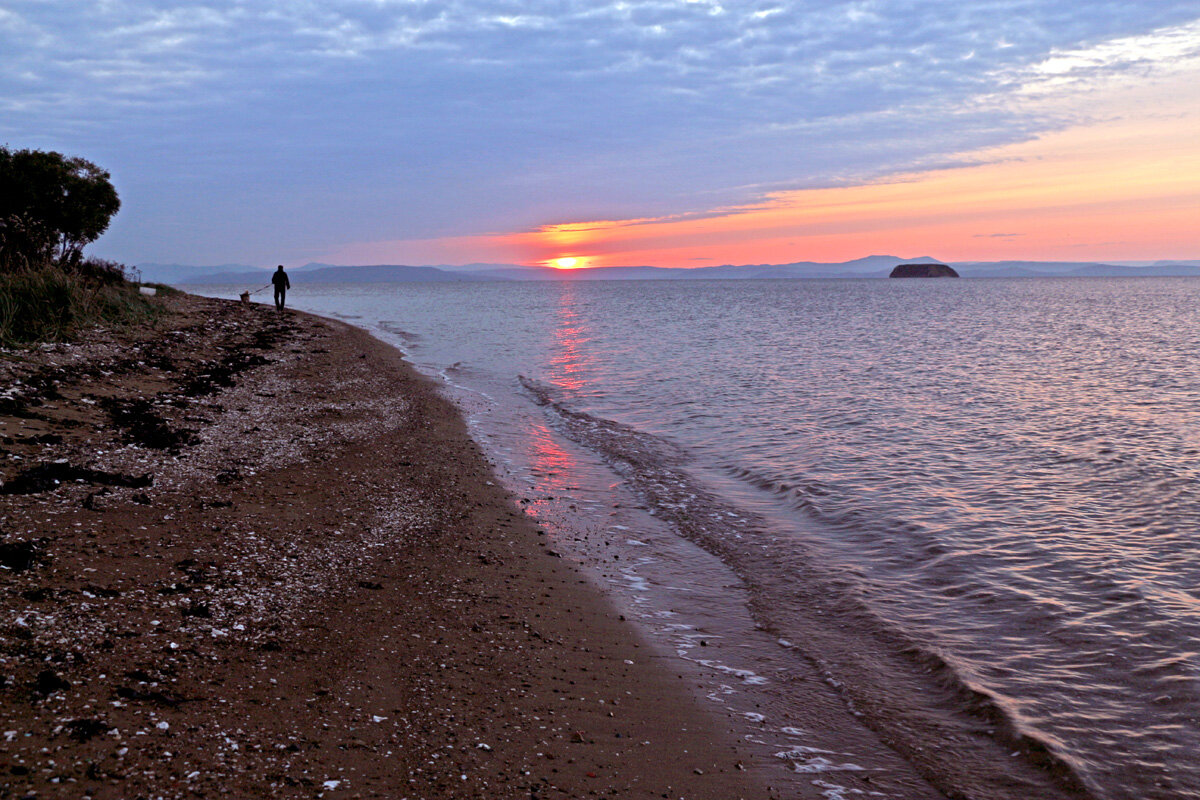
<point>245,298</point>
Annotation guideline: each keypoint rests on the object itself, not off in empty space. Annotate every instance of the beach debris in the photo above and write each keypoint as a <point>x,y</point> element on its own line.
<point>196,609</point>
<point>48,682</point>
<point>143,425</point>
<point>226,477</point>
<point>21,555</point>
<point>83,729</point>
<point>154,696</point>
<point>37,595</point>
<point>48,477</point>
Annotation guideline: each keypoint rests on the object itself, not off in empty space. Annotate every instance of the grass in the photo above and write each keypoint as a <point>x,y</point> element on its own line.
<point>52,304</point>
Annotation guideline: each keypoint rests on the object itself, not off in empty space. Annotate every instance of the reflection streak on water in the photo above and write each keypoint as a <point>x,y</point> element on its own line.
<point>568,369</point>
<point>554,468</point>
<point>570,363</point>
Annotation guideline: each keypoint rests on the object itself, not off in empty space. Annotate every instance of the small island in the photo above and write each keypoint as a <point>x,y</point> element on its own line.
<point>923,271</point>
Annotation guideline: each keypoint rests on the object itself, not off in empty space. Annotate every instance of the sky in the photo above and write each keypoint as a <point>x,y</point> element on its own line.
<point>664,132</point>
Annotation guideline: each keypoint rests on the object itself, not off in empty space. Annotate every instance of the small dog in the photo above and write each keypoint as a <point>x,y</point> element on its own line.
<point>245,298</point>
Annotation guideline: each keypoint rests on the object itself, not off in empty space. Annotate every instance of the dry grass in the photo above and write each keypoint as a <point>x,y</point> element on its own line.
<point>52,304</point>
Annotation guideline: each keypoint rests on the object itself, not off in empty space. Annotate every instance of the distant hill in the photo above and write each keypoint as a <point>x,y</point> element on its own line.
<point>322,273</point>
<point>875,266</point>
<point>1120,271</point>
<point>378,273</point>
<point>870,266</point>
<point>184,273</point>
<point>1064,269</point>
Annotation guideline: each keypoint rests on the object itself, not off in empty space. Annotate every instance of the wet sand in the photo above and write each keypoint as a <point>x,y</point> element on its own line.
<point>258,555</point>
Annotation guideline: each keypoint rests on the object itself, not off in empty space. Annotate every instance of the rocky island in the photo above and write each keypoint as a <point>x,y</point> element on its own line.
<point>923,271</point>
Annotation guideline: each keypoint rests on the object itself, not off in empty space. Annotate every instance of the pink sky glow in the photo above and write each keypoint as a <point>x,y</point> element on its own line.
<point>1120,183</point>
<point>1115,191</point>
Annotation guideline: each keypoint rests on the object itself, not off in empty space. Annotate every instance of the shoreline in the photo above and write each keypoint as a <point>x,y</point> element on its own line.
<point>257,620</point>
<point>809,679</point>
<point>837,698</point>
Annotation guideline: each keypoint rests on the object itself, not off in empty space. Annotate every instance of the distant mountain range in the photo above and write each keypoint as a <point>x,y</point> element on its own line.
<point>182,274</point>
<point>877,266</point>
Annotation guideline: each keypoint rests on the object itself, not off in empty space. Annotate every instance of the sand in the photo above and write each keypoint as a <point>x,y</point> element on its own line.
<point>274,564</point>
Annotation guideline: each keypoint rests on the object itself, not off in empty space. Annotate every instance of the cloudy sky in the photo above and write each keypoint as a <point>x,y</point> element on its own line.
<point>671,132</point>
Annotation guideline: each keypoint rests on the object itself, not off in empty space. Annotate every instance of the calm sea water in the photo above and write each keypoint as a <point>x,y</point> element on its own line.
<point>991,483</point>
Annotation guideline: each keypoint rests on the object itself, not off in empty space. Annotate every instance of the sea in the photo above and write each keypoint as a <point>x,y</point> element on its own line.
<point>969,510</point>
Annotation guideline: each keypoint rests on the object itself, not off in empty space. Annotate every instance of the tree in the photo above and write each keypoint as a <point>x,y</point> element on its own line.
<point>50,207</point>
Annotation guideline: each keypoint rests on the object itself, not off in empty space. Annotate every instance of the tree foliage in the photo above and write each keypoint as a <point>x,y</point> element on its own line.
<point>51,206</point>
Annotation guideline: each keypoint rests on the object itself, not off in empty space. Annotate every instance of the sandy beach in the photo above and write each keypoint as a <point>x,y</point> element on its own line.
<point>255,555</point>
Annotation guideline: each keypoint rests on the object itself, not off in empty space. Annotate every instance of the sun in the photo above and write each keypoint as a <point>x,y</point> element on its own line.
<point>567,262</point>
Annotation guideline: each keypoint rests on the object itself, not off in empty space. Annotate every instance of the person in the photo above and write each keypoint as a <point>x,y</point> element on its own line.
<point>282,284</point>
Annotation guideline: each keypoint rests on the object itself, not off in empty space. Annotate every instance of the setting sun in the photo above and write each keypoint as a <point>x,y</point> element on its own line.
<point>566,263</point>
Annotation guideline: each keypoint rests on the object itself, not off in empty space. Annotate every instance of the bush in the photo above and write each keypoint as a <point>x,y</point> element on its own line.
<point>50,207</point>
<point>50,303</point>
<point>100,270</point>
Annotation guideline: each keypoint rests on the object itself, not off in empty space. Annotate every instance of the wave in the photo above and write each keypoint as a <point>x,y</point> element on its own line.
<point>392,327</point>
<point>906,689</point>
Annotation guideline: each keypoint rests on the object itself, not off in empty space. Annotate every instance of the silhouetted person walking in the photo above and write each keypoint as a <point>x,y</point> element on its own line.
<point>282,284</point>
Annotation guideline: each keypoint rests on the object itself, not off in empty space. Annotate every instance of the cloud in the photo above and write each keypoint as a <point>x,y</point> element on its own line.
<point>391,119</point>
<point>1168,50</point>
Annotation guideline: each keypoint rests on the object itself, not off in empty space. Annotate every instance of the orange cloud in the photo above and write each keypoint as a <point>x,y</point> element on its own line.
<point>1126,187</point>
<point>1115,191</point>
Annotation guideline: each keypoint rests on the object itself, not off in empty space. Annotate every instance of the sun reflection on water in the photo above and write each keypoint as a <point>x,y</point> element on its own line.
<point>568,371</point>
<point>570,360</point>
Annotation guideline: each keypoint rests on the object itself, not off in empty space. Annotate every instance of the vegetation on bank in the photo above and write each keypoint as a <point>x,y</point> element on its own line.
<point>52,303</point>
<point>51,206</point>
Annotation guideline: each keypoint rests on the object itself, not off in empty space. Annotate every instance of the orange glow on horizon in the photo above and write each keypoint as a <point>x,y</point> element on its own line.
<point>1117,191</point>
<point>1122,184</point>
